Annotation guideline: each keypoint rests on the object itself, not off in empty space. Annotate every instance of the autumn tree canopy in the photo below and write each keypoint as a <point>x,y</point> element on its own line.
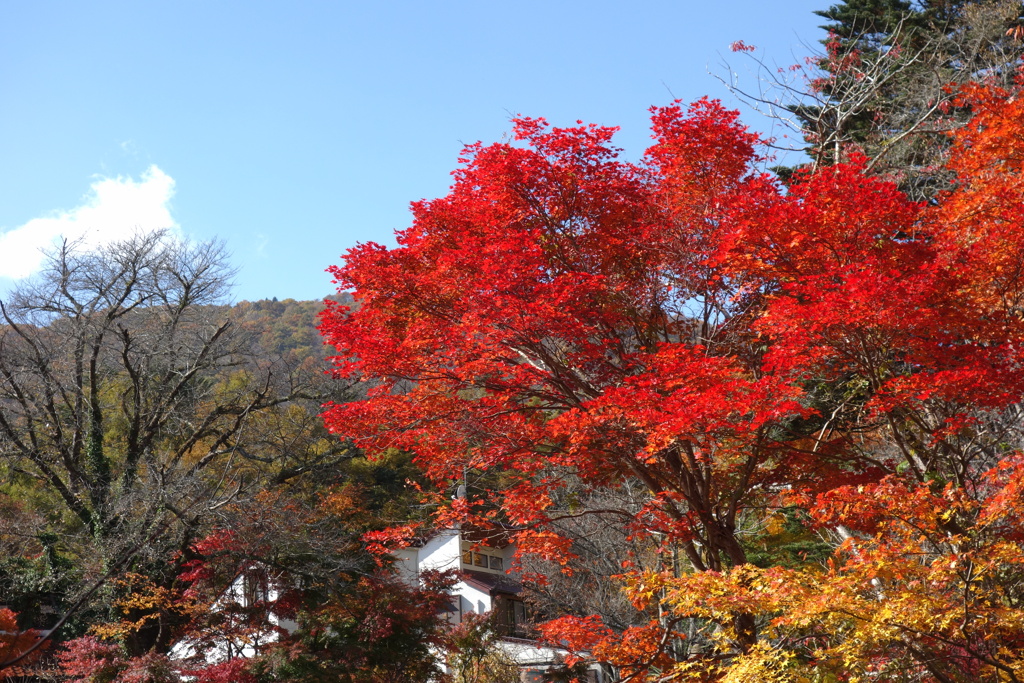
<point>832,358</point>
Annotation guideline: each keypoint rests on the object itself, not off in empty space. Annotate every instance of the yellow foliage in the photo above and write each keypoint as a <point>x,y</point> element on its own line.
<point>140,603</point>
<point>763,664</point>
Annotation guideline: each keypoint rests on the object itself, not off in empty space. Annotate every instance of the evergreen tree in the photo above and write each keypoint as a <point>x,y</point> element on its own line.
<point>890,72</point>
<point>867,21</point>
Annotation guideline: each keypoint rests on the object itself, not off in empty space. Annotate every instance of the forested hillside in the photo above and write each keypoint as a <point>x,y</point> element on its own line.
<point>286,327</point>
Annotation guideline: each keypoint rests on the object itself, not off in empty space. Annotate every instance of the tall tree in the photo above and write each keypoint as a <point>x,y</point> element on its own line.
<point>550,313</point>
<point>743,351</point>
<point>133,405</point>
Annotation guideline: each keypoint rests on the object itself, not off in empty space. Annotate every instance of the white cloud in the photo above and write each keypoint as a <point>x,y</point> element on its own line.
<point>261,244</point>
<point>114,208</point>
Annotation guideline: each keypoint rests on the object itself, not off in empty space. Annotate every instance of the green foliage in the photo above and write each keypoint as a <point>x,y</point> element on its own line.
<point>384,481</point>
<point>787,539</point>
<point>887,82</point>
<point>474,655</point>
<point>868,22</point>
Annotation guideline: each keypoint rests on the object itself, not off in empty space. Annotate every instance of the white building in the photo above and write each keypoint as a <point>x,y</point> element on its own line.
<point>237,636</point>
<point>486,585</point>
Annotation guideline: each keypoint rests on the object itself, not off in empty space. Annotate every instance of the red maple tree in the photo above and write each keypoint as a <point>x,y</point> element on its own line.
<point>742,350</point>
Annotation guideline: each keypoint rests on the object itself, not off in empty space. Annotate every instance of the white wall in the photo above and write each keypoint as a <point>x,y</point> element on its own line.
<point>473,599</point>
<point>244,646</point>
<point>441,552</point>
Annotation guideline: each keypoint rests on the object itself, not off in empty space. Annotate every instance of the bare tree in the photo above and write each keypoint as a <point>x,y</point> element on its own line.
<point>132,404</point>
<point>600,523</point>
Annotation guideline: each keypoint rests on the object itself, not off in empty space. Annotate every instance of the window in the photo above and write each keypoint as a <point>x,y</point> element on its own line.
<point>512,617</point>
<point>255,588</point>
<point>518,617</point>
<point>483,560</point>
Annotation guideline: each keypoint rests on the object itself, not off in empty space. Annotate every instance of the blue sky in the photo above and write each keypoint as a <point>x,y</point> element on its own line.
<point>294,130</point>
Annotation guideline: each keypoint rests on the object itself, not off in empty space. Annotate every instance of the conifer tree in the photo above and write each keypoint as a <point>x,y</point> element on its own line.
<point>891,70</point>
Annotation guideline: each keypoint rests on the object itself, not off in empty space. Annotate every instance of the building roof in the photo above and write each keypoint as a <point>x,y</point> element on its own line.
<point>495,537</point>
<point>492,583</point>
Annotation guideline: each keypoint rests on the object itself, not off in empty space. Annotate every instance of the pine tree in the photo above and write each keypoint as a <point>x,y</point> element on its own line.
<point>890,72</point>
<point>867,21</point>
